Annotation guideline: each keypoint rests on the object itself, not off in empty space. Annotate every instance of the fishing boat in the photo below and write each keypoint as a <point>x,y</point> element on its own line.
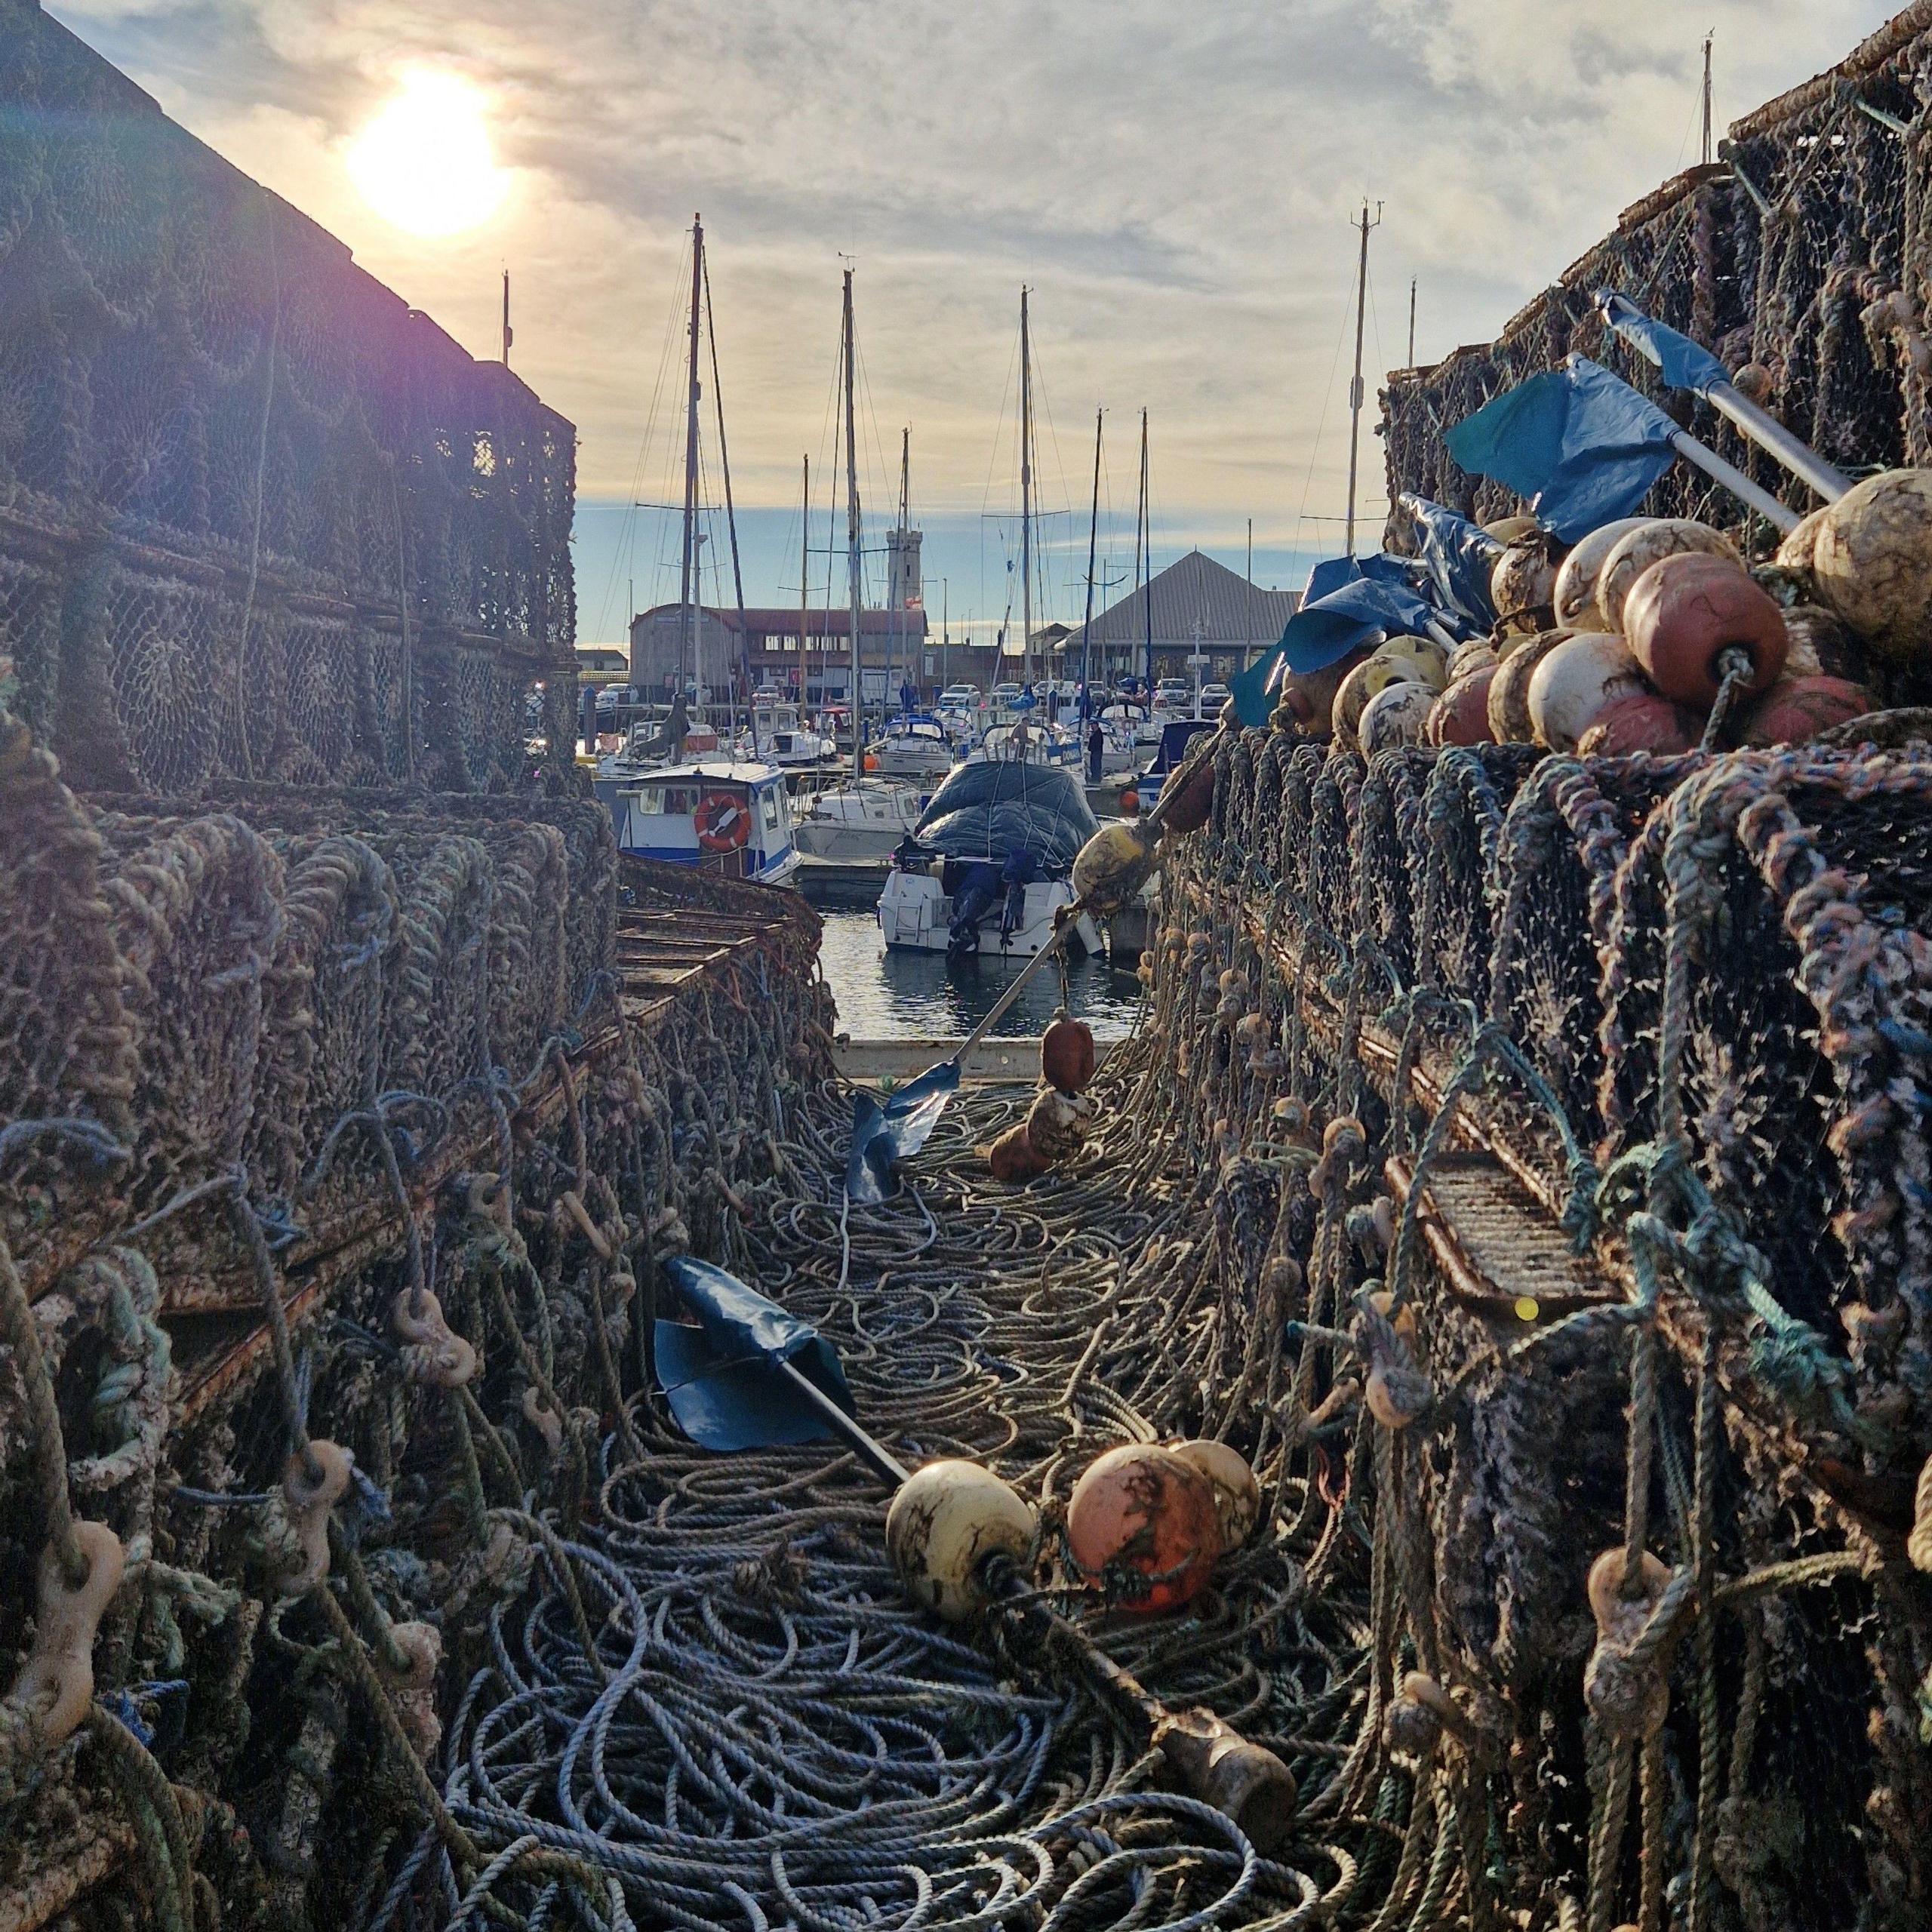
<point>725,816</point>
<point>1175,739</point>
<point>863,818</point>
<point>984,871</point>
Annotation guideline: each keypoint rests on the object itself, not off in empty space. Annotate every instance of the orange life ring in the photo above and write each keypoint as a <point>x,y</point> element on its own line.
<point>724,822</point>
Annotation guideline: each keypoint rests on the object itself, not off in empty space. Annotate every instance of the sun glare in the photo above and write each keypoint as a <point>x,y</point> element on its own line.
<point>424,161</point>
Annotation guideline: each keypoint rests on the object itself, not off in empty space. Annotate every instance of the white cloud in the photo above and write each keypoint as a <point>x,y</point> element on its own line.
<point>1175,181</point>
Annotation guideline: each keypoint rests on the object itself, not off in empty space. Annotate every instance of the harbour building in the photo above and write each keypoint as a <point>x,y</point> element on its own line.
<point>1194,608</point>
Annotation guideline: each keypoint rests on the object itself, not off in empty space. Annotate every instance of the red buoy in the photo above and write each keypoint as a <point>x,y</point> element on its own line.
<point>1066,1055</point>
<point>1796,708</point>
<point>1643,723</point>
<point>1686,611</point>
<point>1142,1514</point>
<point>1461,714</point>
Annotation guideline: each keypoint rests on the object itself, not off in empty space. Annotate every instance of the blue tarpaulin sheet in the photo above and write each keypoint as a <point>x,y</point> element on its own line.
<point>1456,557</point>
<point>1580,445</point>
<point>718,1377</point>
<point>1684,364</point>
<point>884,1134</point>
<point>1000,806</point>
<point>1322,633</point>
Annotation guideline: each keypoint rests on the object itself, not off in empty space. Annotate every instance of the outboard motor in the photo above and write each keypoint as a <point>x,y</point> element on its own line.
<point>979,891</point>
<point>1023,867</point>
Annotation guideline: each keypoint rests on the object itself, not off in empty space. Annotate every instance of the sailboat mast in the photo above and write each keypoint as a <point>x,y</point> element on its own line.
<point>804,583</point>
<point>854,568</point>
<point>1025,498</point>
<point>688,655</point>
<point>1093,540</point>
<point>1355,392</point>
<point>1144,553</point>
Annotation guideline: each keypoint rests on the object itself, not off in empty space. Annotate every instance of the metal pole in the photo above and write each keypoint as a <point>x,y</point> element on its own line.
<point>687,659</point>
<point>1355,390</point>
<point>507,336</point>
<point>1707,39</point>
<point>1771,436</point>
<point>854,566</point>
<point>1412,322</point>
<point>804,579</point>
<point>1093,539</point>
<point>1779,516</point>
<point>945,629</point>
<point>1025,499</point>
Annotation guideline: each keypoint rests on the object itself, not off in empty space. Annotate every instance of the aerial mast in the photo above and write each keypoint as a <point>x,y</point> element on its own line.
<point>1144,553</point>
<point>1707,39</point>
<point>854,567</point>
<point>1355,391</point>
<point>730,519</point>
<point>1093,539</point>
<point>804,583</point>
<point>1026,498</point>
<point>900,588</point>
<point>687,656</point>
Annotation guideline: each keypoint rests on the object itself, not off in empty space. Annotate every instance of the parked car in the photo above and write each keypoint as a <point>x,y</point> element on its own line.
<point>960,697</point>
<point>1213,696</point>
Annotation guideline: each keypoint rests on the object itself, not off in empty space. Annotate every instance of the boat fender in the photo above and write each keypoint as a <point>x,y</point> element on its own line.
<point>1397,1392</point>
<point>1237,1495</point>
<point>723,823</point>
<point>54,1690</point>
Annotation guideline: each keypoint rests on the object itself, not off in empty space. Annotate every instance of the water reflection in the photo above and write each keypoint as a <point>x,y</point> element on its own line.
<point>884,995</point>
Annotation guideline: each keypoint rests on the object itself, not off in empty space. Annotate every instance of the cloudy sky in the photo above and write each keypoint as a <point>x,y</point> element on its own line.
<point>1174,179</point>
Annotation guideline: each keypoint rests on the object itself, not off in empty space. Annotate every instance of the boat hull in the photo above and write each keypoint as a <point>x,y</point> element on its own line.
<point>915,915</point>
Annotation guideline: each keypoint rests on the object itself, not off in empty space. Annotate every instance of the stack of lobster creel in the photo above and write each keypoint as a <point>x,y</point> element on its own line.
<point>1628,641</point>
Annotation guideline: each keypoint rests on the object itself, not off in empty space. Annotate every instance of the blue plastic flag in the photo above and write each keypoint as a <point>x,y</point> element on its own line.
<point>719,1377</point>
<point>884,1135</point>
<point>1583,446</point>
<point>1685,364</point>
<point>1455,556</point>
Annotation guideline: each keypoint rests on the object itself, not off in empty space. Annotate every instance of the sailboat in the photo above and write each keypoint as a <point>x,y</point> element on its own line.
<point>863,816</point>
<point>721,813</point>
<point>985,873</point>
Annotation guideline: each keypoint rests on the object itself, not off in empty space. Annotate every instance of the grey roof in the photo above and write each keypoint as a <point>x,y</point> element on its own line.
<point>1195,592</point>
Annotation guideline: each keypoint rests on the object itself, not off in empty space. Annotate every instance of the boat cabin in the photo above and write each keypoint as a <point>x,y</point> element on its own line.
<point>721,816</point>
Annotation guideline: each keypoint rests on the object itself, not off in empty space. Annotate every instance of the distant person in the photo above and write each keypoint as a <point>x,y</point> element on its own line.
<point>908,697</point>
<point>1053,704</point>
<point>1096,747</point>
<point>1085,703</point>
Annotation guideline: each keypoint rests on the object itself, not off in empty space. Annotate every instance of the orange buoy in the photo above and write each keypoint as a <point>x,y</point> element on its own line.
<point>1130,800</point>
<point>1687,610</point>
<point>1143,1518</point>
<point>1012,1157</point>
<point>1796,708</point>
<point>871,762</point>
<point>1066,1054</point>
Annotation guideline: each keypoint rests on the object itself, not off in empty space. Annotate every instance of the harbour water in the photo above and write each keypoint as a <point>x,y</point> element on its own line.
<point>900,996</point>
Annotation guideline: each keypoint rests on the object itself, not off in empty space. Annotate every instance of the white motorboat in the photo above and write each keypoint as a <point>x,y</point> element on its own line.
<point>717,815</point>
<point>913,746</point>
<point>985,871</point>
<point>861,820</point>
<point>779,734</point>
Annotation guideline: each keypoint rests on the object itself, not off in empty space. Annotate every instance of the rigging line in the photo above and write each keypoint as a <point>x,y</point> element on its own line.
<point>627,529</point>
<point>1321,421</point>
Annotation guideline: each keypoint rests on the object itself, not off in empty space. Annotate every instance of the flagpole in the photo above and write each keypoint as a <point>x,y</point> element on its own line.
<point>1781,517</point>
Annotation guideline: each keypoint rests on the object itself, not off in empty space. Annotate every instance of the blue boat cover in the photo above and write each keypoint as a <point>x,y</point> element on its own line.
<point>1685,364</point>
<point>996,806</point>
<point>1581,445</point>
<point>884,1134</point>
<point>718,1377</point>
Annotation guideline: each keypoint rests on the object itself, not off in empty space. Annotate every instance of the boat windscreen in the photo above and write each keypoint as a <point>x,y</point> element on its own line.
<point>999,806</point>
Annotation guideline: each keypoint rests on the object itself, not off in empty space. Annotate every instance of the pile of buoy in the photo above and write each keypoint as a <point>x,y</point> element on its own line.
<point>1631,639</point>
<point>1146,1523</point>
<point>1056,1124</point>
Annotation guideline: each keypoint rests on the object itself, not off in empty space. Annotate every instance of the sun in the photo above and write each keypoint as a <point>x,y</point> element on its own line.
<point>424,161</point>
